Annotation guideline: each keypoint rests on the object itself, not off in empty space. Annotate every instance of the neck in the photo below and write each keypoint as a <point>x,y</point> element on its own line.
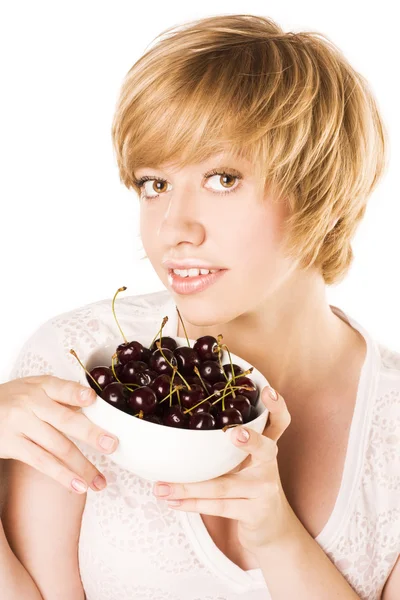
<point>293,338</point>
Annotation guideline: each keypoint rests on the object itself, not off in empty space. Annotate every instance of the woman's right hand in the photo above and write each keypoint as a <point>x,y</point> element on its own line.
<point>35,412</point>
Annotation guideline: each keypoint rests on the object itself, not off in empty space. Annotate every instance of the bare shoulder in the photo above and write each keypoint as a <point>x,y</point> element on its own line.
<point>42,521</point>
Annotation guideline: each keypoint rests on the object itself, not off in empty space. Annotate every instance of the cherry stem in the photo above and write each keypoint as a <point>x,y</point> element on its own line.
<point>230,359</point>
<point>170,386</point>
<point>196,370</point>
<point>179,399</point>
<point>245,373</point>
<point>114,356</point>
<point>183,325</point>
<point>220,347</point>
<point>224,394</point>
<point>159,334</point>
<point>239,387</point>
<point>121,289</point>
<point>176,388</point>
<point>234,377</point>
<point>139,414</point>
<point>174,368</point>
<point>86,371</point>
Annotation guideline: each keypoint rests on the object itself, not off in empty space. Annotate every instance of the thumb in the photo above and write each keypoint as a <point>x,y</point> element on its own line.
<point>279,417</point>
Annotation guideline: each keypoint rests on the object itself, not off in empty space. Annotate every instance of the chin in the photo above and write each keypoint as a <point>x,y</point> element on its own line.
<point>200,313</point>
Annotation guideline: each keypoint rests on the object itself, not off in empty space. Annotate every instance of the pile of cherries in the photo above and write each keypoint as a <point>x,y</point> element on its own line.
<point>176,386</point>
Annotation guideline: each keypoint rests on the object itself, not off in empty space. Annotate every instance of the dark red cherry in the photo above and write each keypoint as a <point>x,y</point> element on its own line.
<point>161,386</point>
<point>146,355</point>
<point>103,375</point>
<point>206,347</point>
<point>211,371</point>
<point>166,342</point>
<point>152,374</point>
<point>229,416</point>
<point>144,399</point>
<point>219,388</point>
<point>160,409</point>
<point>129,351</point>
<point>158,363</point>
<point>192,379</point>
<point>152,419</point>
<point>187,359</point>
<point>114,394</point>
<point>215,409</point>
<point>202,420</point>
<point>242,404</point>
<point>203,407</point>
<point>253,414</point>
<point>190,398</point>
<point>174,417</point>
<point>139,365</point>
<point>209,387</point>
<point>252,394</point>
<point>129,371</point>
<point>143,378</point>
<point>118,368</point>
<point>236,369</point>
<point>195,379</point>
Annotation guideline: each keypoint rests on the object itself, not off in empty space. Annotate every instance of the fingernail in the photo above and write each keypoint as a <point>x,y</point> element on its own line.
<point>242,435</point>
<point>272,393</point>
<point>106,442</point>
<point>79,486</point>
<point>87,395</point>
<point>99,482</point>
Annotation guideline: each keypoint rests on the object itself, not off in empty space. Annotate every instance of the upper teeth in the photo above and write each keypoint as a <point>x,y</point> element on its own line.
<point>193,272</point>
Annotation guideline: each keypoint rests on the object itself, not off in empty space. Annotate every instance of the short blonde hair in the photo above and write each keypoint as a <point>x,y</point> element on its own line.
<point>288,102</point>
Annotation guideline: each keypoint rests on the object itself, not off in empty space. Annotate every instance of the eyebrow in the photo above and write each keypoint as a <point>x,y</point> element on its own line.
<point>222,167</point>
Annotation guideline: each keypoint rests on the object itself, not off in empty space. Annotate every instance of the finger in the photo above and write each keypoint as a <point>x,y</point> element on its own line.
<point>261,448</point>
<point>226,486</point>
<point>65,450</point>
<point>41,460</point>
<point>63,390</point>
<point>279,417</point>
<point>74,424</point>
<point>237,508</point>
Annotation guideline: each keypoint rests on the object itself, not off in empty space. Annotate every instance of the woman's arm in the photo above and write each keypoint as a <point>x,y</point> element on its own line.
<point>41,521</point>
<point>15,580</point>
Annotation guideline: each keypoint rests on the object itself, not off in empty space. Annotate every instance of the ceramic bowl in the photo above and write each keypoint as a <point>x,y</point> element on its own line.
<point>160,453</point>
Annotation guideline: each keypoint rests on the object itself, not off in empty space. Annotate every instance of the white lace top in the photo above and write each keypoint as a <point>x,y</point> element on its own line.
<point>133,547</point>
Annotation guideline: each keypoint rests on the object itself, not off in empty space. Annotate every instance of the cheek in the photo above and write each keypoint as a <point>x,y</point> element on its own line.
<point>148,232</point>
<point>256,240</point>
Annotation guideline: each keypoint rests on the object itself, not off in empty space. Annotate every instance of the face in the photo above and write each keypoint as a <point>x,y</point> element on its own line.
<point>223,221</point>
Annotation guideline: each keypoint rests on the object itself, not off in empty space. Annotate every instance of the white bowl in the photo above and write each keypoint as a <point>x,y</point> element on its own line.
<point>160,453</point>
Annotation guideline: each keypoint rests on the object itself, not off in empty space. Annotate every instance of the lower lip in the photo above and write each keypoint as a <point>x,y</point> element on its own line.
<point>192,285</point>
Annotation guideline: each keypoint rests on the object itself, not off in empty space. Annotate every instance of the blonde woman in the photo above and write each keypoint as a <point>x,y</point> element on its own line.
<point>253,152</point>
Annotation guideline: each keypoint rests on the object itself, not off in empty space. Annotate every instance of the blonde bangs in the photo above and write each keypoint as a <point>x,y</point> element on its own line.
<point>290,103</point>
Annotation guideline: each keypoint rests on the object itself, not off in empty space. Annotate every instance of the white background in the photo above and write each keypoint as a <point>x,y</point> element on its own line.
<point>69,229</point>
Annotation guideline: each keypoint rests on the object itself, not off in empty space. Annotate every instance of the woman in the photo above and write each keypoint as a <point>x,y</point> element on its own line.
<point>253,152</point>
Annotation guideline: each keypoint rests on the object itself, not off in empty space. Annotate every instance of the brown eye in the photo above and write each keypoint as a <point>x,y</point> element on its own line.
<point>159,186</point>
<point>224,179</point>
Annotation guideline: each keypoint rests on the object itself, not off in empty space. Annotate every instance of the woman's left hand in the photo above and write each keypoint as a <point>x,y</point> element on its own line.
<point>251,493</point>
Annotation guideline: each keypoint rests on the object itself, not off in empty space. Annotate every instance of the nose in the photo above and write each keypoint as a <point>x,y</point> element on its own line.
<point>181,221</point>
